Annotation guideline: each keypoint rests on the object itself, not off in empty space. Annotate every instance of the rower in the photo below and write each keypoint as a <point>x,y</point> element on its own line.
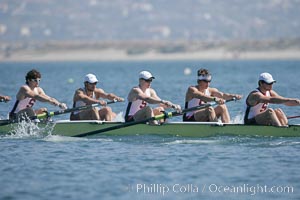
<point>201,94</point>
<point>90,94</point>
<point>140,96</point>
<point>28,94</point>
<point>258,100</point>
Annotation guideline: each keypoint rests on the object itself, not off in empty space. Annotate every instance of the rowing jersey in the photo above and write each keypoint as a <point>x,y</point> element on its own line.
<point>252,111</point>
<point>28,102</point>
<point>81,103</point>
<point>195,102</point>
<point>136,105</point>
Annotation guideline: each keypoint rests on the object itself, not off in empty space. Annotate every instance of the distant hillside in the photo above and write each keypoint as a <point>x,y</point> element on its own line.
<point>149,20</point>
<point>102,50</point>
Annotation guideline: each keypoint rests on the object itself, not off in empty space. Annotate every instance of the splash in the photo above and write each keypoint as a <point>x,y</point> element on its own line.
<point>239,119</point>
<point>119,118</point>
<point>30,129</point>
<point>24,129</point>
<point>59,138</point>
<point>186,141</point>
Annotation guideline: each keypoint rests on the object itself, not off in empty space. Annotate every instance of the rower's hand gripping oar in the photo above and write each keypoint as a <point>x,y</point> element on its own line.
<point>3,100</point>
<point>157,117</point>
<point>59,112</point>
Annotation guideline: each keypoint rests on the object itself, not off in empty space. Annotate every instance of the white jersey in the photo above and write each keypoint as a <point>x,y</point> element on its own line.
<point>258,108</point>
<point>24,103</point>
<point>81,103</point>
<point>137,104</point>
<point>195,102</point>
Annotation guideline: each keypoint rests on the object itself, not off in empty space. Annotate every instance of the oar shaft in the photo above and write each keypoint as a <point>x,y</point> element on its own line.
<point>112,128</point>
<point>59,112</point>
<point>175,113</point>
<point>292,117</point>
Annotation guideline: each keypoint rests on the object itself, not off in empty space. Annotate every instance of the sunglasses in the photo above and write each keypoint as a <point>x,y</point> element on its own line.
<point>36,80</point>
<point>267,83</point>
<point>148,80</point>
<point>206,81</point>
<point>205,77</point>
<point>93,83</point>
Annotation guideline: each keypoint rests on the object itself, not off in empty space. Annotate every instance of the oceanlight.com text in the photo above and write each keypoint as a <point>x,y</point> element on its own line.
<point>249,189</point>
<point>164,189</point>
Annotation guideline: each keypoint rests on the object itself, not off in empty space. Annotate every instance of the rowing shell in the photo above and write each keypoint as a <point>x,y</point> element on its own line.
<point>184,129</point>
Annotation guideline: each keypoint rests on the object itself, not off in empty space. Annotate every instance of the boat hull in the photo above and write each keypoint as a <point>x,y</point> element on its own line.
<point>184,129</point>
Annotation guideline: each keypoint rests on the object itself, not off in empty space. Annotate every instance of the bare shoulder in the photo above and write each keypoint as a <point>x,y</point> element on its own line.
<point>99,91</point>
<point>152,90</point>
<point>136,90</point>
<point>254,96</point>
<point>24,87</point>
<point>134,93</point>
<point>212,90</point>
<point>79,93</point>
<point>23,90</point>
<point>192,88</point>
<point>40,90</point>
<point>273,93</point>
<point>79,90</point>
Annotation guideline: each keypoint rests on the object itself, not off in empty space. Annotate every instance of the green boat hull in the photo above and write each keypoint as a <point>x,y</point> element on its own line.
<point>183,129</point>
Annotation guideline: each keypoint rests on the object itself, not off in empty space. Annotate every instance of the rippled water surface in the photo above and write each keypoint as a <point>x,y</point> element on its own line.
<point>44,166</point>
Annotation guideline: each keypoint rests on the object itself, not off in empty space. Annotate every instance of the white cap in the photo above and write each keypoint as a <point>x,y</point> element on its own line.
<point>266,77</point>
<point>91,78</point>
<point>146,75</point>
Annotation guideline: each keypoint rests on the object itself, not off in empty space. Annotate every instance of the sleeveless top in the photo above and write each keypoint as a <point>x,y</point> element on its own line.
<point>136,105</point>
<point>252,111</point>
<point>195,102</point>
<point>28,102</point>
<point>81,103</point>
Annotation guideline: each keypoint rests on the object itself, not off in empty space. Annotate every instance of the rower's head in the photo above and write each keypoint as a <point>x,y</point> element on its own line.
<point>33,76</point>
<point>145,76</point>
<point>203,76</point>
<point>265,79</point>
<point>90,81</point>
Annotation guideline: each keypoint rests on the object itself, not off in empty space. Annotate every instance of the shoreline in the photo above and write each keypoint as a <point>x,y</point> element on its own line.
<point>122,55</point>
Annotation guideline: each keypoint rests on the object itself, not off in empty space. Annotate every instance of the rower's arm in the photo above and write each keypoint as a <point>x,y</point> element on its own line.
<point>109,96</point>
<point>153,99</point>
<point>81,96</point>
<point>256,97</point>
<point>283,100</point>
<point>194,93</point>
<point>226,96</point>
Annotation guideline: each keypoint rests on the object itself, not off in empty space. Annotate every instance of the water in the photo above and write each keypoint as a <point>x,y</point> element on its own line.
<point>34,166</point>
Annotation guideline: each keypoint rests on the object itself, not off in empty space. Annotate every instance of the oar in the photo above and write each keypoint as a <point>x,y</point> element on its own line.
<point>292,117</point>
<point>5,122</point>
<point>157,117</point>
<point>59,112</point>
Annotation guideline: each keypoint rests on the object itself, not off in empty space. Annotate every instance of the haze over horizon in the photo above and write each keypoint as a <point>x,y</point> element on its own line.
<point>106,20</point>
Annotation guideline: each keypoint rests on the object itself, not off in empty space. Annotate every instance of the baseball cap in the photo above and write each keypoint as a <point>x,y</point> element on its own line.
<point>146,75</point>
<point>266,77</point>
<point>91,78</point>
